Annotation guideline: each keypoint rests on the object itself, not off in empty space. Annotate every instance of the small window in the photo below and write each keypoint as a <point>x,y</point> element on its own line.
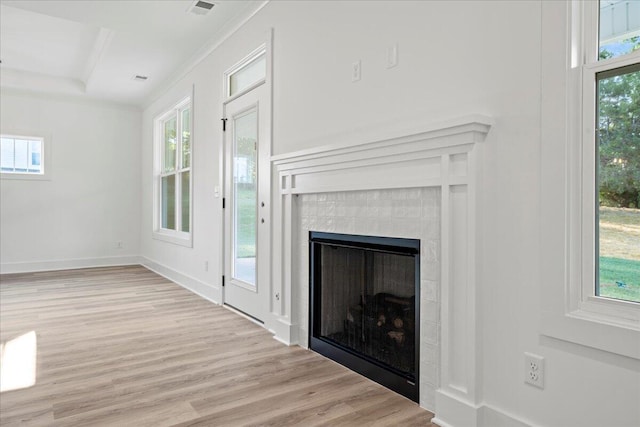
<point>22,157</point>
<point>247,73</point>
<point>173,174</point>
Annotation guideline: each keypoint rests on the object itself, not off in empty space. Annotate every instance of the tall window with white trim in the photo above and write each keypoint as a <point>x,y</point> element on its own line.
<point>172,219</point>
<point>590,116</point>
<point>612,86</point>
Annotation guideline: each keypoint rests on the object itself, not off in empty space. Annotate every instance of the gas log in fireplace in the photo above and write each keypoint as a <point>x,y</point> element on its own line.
<point>364,308</point>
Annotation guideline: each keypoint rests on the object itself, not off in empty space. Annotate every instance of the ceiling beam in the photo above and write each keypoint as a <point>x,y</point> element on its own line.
<point>100,46</point>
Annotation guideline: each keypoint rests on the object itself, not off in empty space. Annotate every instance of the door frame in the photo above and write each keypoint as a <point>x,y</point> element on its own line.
<point>264,177</point>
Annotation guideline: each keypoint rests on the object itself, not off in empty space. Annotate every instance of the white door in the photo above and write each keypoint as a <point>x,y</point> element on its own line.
<point>247,182</point>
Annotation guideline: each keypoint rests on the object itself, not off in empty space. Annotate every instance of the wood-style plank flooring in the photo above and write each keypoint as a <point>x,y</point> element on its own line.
<point>122,346</point>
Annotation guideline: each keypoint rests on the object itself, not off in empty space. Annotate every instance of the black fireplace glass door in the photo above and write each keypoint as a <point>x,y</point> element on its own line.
<point>364,301</point>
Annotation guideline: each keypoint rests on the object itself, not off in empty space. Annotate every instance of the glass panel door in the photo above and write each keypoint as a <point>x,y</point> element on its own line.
<point>245,200</point>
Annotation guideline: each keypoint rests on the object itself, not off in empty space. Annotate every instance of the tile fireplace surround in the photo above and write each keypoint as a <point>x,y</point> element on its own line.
<point>412,213</point>
<point>420,184</point>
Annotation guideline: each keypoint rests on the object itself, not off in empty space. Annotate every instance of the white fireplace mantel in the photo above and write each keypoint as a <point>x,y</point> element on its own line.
<point>382,163</point>
<point>444,155</point>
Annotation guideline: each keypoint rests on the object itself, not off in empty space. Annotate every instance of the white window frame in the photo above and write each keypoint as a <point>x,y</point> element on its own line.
<point>573,312</point>
<point>176,236</point>
<point>239,66</point>
<point>46,156</point>
<point>618,310</point>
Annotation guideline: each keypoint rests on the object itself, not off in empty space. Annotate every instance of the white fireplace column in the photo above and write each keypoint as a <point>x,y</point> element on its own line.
<point>444,155</point>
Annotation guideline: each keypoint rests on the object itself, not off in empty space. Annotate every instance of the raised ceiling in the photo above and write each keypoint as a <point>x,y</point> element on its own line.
<point>96,48</point>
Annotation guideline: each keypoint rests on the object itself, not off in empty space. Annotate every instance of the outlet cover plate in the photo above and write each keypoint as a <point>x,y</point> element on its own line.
<point>534,370</point>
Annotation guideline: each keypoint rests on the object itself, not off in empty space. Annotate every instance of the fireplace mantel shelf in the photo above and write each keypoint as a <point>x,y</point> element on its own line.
<point>374,144</point>
<point>395,160</point>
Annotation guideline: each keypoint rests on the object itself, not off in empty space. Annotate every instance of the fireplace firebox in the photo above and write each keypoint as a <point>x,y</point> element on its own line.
<point>364,308</point>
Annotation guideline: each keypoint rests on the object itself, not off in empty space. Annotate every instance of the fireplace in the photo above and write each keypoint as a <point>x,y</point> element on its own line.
<point>364,306</point>
<point>416,180</point>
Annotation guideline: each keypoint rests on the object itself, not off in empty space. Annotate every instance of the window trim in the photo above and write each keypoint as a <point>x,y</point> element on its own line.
<point>177,236</point>
<point>46,155</point>
<point>570,310</point>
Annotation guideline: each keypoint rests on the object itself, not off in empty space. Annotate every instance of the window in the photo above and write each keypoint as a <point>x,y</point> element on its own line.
<point>172,146</point>
<point>23,157</point>
<point>581,89</point>
<point>247,74</point>
<point>619,27</point>
<point>611,84</point>
<point>618,182</point>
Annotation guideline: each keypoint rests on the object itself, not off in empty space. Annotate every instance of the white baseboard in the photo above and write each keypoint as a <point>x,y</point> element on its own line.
<point>492,416</point>
<point>67,264</point>
<point>454,412</point>
<point>198,287</point>
<point>437,421</point>
<point>282,330</point>
<point>204,290</point>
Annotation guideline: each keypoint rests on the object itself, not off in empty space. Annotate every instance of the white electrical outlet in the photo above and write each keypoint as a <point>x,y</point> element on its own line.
<point>206,266</point>
<point>119,245</point>
<point>534,370</point>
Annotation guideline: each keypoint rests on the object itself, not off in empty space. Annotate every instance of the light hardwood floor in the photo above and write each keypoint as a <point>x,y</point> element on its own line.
<point>122,346</point>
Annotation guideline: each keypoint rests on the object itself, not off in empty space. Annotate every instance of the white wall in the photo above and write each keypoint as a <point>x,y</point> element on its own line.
<point>92,200</point>
<point>455,58</point>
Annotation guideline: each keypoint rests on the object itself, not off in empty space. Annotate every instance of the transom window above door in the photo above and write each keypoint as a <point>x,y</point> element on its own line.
<point>247,74</point>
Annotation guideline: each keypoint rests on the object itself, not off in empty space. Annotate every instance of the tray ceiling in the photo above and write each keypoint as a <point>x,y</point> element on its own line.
<point>96,48</point>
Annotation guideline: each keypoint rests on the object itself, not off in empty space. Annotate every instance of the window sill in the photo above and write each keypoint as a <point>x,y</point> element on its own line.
<point>25,177</point>
<point>177,238</point>
<point>625,314</point>
<point>612,334</point>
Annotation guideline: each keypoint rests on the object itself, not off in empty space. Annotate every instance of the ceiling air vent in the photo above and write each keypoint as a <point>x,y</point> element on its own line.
<point>200,7</point>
